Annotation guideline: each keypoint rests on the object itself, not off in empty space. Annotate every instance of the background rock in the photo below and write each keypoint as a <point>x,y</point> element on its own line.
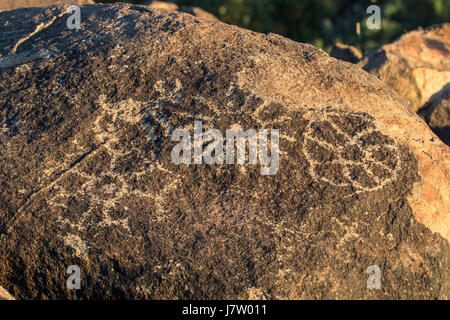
<point>161,5</point>
<point>195,11</point>
<point>87,177</point>
<point>345,53</point>
<point>437,115</point>
<point>199,13</point>
<point>417,66</point>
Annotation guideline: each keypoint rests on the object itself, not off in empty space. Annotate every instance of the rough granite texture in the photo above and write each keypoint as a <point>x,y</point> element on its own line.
<point>416,66</point>
<point>87,178</point>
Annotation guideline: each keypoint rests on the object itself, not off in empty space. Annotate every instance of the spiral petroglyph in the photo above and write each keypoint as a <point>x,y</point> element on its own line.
<point>346,150</point>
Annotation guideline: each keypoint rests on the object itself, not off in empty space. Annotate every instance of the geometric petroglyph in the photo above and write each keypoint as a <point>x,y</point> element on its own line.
<point>344,149</point>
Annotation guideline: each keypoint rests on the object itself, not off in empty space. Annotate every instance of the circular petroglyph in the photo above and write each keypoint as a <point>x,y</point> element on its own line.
<point>344,149</point>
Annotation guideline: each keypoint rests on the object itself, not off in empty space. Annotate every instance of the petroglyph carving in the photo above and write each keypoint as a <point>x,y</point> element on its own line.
<point>346,150</point>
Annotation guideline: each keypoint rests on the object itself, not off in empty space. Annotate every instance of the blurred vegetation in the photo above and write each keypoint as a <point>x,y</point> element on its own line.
<point>324,22</point>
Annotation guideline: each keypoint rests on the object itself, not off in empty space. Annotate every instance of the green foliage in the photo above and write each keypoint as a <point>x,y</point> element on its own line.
<point>324,22</point>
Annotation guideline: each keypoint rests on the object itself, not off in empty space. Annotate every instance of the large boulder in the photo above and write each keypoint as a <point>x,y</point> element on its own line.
<point>416,66</point>
<point>6,5</point>
<point>89,173</point>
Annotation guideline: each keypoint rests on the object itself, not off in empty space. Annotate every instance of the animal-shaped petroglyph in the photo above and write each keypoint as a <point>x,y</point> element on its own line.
<point>111,127</point>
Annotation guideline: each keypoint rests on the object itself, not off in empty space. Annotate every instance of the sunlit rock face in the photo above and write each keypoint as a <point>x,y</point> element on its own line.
<point>416,66</point>
<point>87,177</point>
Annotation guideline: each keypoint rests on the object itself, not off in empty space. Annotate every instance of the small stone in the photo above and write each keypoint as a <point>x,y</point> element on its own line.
<point>345,53</point>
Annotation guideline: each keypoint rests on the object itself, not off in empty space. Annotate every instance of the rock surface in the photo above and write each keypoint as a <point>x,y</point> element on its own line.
<point>345,53</point>
<point>437,115</point>
<point>6,5</point>
<point>417,66</point>
<point>87,177</point>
